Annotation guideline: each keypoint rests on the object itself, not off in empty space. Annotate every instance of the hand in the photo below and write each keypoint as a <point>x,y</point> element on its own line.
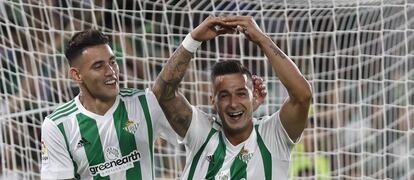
<point>247,26</point>
<point>210,28</point>
<point>259,92</point>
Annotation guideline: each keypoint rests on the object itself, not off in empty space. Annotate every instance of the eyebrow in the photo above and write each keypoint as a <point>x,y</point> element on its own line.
<point>98,62</point>
<point>222,91</point>
<point>237,90</point>
<point>102,61</point>
<point>241,89</point>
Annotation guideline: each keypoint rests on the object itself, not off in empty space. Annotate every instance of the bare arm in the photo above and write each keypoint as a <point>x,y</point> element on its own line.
<point>294,111</point>
<point>176,108</point>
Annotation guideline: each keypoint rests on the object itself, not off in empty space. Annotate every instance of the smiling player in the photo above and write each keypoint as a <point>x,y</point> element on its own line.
<point>235,146</point>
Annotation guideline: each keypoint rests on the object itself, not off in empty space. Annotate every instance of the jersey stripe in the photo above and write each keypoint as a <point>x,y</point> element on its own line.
<point>145,109</point>
<point>126,140</point>
<point>238,168</point>
<point>217,159</point>
<point>61,108</point>
<point>94,152</point>
<point>56,115</point>
<point>62,130</point>
<point>66,113</point>
<point>129,92</point>
<point>266,156</point>
<point>198,154</point>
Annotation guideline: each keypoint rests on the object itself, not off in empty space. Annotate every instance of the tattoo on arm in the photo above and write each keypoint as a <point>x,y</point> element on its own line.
<point>168,89</point>
<point>278,52</point>
<point>173,73</point>
<point>177,64</point>
<point>176,108</point>
<point>178,113</point>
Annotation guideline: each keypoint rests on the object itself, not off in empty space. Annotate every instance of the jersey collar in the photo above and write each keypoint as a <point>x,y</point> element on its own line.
<point>107,115</point>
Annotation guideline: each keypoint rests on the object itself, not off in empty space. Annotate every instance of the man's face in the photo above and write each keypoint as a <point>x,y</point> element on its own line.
<point>98,72</point>
<point>233,101</point>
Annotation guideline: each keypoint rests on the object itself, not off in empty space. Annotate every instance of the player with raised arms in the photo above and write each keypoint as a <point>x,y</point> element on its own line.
<point>235,145</point>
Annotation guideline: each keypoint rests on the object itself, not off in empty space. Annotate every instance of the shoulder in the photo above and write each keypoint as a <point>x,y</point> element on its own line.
<point>273,118</point>
<point>47,123</point>
<point>271,129</point>
<point>51,128</point>
<point>146,96</point>
<point>133,95</point>
<point>128,93</point>
<point>62,112</point>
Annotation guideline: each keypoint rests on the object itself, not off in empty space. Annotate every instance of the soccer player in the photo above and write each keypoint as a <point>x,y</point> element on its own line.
<point>105,132</point>
<point>235,145</point>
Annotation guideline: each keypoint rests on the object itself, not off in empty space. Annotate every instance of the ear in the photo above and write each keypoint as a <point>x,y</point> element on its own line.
<point>213,103</point>
<point>74,74</point>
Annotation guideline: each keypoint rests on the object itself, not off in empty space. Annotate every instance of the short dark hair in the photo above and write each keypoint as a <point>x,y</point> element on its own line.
<point>229,67</point>
<point>82,40</point>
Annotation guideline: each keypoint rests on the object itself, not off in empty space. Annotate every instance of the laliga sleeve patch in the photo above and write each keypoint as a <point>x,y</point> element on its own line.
<point>45,156</point>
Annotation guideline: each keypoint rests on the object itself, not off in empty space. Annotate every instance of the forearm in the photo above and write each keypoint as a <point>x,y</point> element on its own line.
<point>290,76</point>
<point>178,113</point>
<point>166,85</point>
<point>176,108</point>
<point>174,105</point>
<point>294,111</point>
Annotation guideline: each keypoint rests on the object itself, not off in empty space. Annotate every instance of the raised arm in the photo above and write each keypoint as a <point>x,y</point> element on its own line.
<point>294,111</point>
<point>176,108</point>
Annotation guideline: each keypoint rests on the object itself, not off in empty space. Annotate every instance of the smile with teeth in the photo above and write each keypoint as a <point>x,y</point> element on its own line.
<point>235,114</point>
<point>110,82</point>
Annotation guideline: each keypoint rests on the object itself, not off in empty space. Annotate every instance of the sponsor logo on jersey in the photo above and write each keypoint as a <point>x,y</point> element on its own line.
<point>112,153</point>
<point>45,157</point>
<point>131,126</point>
<point>116,165</point>
<point>223,175</point>
<point>82,142</point>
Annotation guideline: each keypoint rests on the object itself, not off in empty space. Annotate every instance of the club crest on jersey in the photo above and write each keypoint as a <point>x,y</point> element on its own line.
<point>131,126</point>
<point>245,155</point>
<point>45,157</point>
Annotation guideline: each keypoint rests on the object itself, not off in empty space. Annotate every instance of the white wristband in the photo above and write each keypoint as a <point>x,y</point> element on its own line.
<point>190,44</point>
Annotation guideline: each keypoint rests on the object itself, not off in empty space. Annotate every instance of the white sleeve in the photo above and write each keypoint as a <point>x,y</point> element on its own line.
<point>56,161</point>
<point>198,131</point>
<point>275,136</point>
<point>161,127</point>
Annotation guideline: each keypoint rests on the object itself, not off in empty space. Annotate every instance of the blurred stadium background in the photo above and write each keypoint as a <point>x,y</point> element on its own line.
<point>357,54</point>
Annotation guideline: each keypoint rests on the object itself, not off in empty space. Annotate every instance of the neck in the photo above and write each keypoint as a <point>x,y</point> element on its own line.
<point>237,137</point>
<point>96,105</point>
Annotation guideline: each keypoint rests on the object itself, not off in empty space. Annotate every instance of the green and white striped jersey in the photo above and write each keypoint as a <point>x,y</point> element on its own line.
<point>264,155</point>
<point>77,143</point>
